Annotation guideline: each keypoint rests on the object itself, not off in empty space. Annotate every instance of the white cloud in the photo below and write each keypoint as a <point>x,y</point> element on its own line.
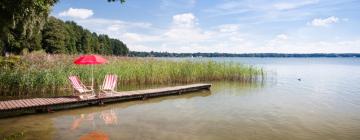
<point>229,28</point>
<point>135,37</point>
<point>187,20</point>
<point>110,26</point>
<point>77,13</point>
<point>186,34</point>
<point>264,11</point>
<point>115,27</point>
<point>318,22</point>
<point>139,47</point>
<point>183,35</point>
<point>293,4</point>
<point>184,29</point>
<point>279,40</point>
<point>284,44</point>
<point>282,37</point>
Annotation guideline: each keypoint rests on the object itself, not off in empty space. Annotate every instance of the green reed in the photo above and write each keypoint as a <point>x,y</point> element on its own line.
<point>39,72</point>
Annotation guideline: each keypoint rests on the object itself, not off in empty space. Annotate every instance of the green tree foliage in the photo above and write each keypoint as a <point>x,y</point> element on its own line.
<point>117,49</point>
<point>21,22</point>
<point>55,36</point>
<point>68,37</point>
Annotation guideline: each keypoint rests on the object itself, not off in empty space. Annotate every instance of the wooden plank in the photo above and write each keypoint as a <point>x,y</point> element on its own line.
<point>65,100</point>
<point>57,100</point>
<point>20,103</point>
<point>11,104</point>
<point>62,100</point>
<point>35,102</point>
<point>15,105</point>
<point>23,104</point>
<point>53,100</point>
<point>45,101</point>
<point>26,102</point>
<point>32,102</point>
<point>42,101</point>
<point>29,102</point>
<point>4,105</point>
<point>50,101</point>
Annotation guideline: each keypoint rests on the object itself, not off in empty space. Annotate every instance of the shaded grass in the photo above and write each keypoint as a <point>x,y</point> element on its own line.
<point>43,73</point>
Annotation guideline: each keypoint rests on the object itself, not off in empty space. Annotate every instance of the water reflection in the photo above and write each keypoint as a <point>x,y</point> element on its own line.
<point>82,118</point>
<point>108,117</point>
<point>94,135</point>
<point>238,88</point>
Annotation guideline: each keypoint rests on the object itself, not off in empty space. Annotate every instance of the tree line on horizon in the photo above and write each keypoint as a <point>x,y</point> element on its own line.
<point>167,54</point>
<point>25,26</point>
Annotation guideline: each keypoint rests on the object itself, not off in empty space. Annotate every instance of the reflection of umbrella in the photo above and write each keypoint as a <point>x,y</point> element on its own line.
<point>90,60</point>
<point>95,136</point>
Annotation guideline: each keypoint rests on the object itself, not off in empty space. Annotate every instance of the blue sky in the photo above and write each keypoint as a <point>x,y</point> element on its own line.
<point>230,26</point>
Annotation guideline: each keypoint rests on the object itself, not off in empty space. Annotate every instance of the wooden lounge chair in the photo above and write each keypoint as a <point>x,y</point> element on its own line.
<point>80,89</point>
<point>109,84</point>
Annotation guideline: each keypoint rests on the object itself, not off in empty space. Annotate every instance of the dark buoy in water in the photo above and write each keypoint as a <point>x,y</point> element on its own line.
<point>299,79</point>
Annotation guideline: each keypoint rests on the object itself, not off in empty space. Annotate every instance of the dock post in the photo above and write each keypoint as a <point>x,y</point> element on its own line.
<point>101,102</point>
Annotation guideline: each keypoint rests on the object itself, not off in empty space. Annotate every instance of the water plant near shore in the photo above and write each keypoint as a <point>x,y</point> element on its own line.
<point>43,73</point>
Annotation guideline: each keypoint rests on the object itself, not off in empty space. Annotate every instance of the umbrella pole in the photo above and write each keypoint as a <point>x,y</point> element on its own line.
<point>92,77</point>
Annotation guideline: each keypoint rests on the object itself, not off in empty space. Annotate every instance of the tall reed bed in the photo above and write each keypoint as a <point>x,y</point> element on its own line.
<point>43,73</point>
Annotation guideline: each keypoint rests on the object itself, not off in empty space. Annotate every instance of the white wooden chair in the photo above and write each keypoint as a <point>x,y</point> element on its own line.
<point>109,84</point>
<point>80,89</point>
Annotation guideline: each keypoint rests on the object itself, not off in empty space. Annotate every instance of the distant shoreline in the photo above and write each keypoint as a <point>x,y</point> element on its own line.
<point>166,54</point>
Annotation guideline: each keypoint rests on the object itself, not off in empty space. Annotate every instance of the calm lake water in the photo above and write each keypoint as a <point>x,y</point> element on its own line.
<point>301,98</point>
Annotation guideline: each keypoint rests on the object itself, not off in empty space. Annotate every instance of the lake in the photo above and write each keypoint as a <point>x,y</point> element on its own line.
<point>300,99</point>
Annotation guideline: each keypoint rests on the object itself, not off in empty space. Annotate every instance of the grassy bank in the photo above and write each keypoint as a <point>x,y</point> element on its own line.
<point>39,72</point>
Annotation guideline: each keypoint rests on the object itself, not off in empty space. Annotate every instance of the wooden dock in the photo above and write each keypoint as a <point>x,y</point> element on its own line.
<point>57,103</point>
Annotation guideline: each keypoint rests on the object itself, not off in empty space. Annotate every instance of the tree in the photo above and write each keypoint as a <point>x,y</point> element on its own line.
<point>68,37</point>
<point>71,39</point>
<point>21,22</point>
<point>118,47</point>
<point>55,36</point>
